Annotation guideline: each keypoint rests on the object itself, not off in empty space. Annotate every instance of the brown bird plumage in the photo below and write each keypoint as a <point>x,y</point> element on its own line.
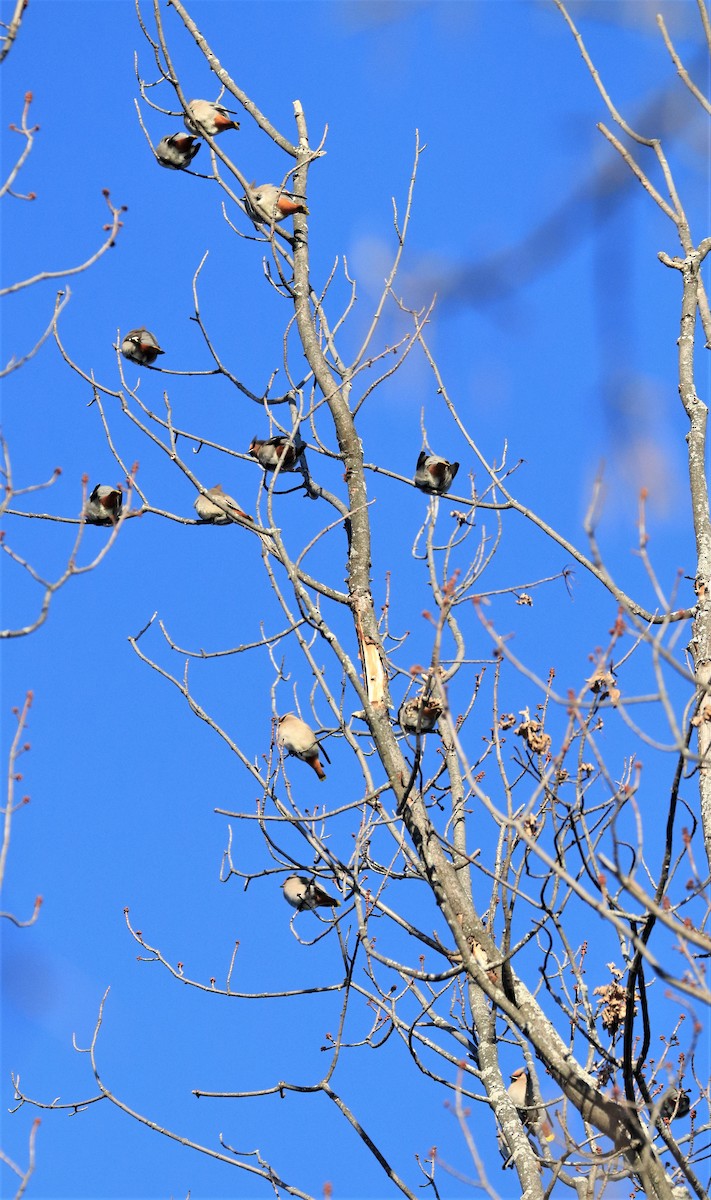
<point>419,714</point>
<point>207,510</point>
<point>104,505</point>
<point>177,151</point>
<point>675,1104</point>
<point>205,117</point>
<point>141,347</point>
<point>299,739</point>
<point>521,1092</point>
<point>268,203</point>
<point>434,474</point>
<point>274,451</point>
<point>303,893</point>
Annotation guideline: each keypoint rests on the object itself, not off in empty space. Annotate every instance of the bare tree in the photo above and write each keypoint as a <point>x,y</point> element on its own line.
<point>11,492</point>
<point>476,780</point>
<point>12,804</point>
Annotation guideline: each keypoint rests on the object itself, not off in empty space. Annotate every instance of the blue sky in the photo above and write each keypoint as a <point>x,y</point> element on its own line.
<point>555,330</point>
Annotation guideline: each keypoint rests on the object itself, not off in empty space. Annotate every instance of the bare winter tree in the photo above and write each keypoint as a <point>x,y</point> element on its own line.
<point>12,804</point>
<point>12,493</point>
<point>475,780</point>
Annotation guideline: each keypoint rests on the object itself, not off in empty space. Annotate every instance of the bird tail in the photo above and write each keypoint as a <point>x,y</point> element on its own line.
<point>317,767</point>
<point>547,1130</point>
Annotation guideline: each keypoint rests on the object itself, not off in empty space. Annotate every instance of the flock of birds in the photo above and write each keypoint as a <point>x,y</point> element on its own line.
<point>433,475</point>
<point>266,203</point>
<point>417,715</point>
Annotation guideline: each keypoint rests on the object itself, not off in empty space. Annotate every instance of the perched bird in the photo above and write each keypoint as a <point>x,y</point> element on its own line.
<point>207,510</point>
<point>271,204</point>
<point>177,151</point>
<point>205,117</point>
<point>521,1092</point>
<point>675,1104</point>
<point>298,738</point>
<point>434,474</point>
<point>419,714</point>
<point>104,505</point>
<point>302,893</point>
<point>274,451</point>
<point>141,347</point>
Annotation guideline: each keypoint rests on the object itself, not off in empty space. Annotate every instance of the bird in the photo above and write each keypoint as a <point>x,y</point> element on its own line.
<point>104,505</point>
<point>213,513</point>
<point>275,451</point>
<point>419,714</point>
<point>521,1092</point>
<point>434,474</point>
<point>205,117</point>
<point>302,893</point>
<point>271,204</point>
<point>177,151</point>
<point>675,1104</point>
<point>141,347</point>
<point>298,738</point>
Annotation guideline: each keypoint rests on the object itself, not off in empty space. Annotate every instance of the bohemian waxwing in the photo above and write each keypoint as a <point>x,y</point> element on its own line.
<point>268,203</point>
<point>675,1104</point>
<point>521,1092</point>
<point>177,151</point>
<point>213,513</point>
<point>434,474</point>
<point>141,347</point>
<point>302,893</point>
<point>104,505</point>
<point>298,738</point>
<point>205,117</point>
<point>419,714</point>
<point>274,451</point>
